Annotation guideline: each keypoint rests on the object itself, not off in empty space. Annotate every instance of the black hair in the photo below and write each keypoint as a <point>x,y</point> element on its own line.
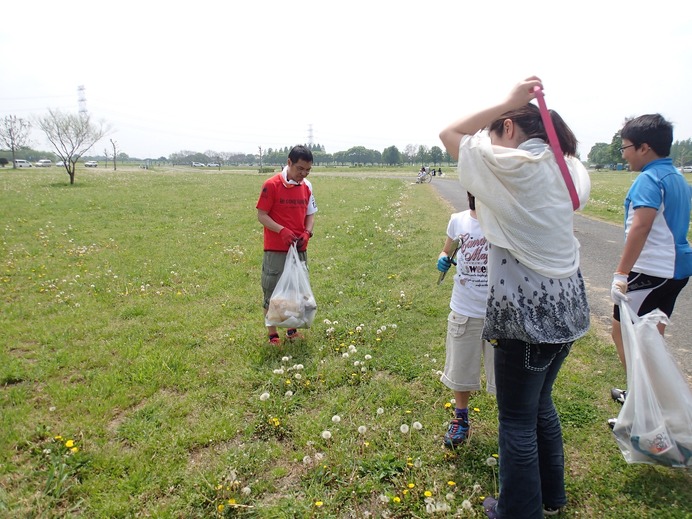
<point>472,201</point>
<point>651,129</point>
<point>528,118</point>
<point>300,152</point>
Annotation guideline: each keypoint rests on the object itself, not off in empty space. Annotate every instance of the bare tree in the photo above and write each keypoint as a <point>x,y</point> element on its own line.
<point>71,135</point>
<point>115,153</point>
<point>105,152</point>
<point>14,134</point>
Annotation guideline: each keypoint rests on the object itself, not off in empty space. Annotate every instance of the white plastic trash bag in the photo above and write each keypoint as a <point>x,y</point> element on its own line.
<point>655,423</point>
<point>292,304</point>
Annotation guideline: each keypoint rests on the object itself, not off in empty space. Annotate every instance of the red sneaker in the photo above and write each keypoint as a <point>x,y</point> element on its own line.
<point>294,335</point>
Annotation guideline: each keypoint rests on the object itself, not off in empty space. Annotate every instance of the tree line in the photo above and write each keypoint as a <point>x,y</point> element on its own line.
<point>608,155</point>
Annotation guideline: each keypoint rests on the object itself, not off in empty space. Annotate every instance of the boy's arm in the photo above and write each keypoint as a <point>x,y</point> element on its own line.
<point>642,221</point>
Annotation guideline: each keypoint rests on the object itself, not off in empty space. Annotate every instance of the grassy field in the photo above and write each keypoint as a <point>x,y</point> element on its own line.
<point>135,379</point>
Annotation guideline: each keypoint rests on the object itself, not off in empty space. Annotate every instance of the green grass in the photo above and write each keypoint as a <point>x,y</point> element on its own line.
<point>131,326</point>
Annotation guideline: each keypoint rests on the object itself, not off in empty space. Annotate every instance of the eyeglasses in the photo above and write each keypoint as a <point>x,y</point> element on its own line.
<point>623,148</point>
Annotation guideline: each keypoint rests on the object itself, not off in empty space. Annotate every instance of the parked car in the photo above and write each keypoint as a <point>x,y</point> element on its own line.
<point>60,164</point>
<point>197,165</point>
<point>43,163</point>
<point>21,163</point>
<point>213,165</point>
<point>687,169</point>
<point>91,164</point>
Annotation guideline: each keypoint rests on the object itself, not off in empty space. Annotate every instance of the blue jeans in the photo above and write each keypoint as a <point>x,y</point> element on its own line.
<point>532,461</point>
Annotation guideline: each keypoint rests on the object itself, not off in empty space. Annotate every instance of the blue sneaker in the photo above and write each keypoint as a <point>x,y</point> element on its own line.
<point>457,433</point>
<point>490,507</point>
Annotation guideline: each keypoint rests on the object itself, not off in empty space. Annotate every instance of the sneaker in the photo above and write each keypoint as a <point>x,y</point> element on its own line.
<point>274,340</point>
<point>490,507</point>
<point>457,433</point>
<point>551,511</point>
<point>294,335</point>
<point>618,395</point>
<point>612,422</point>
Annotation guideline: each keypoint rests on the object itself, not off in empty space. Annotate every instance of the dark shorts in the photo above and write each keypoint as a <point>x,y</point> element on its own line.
<point>646,293</point>
<point>272,268</point>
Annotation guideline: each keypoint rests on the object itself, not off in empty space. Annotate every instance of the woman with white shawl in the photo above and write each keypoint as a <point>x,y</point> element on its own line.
<point>536,305</point>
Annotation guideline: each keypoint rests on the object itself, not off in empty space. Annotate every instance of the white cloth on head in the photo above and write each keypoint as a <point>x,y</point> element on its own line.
<point>522,201</point>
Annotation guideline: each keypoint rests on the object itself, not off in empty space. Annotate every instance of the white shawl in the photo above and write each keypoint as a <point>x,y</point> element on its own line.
<point>524,203</point>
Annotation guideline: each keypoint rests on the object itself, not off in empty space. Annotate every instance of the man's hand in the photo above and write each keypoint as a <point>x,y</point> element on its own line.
<point>287,236</point>
<point>619,288</point>
<point>443,263</point>
<point>303,239</point>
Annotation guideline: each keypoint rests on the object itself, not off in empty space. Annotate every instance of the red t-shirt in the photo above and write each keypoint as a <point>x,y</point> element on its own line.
<point>287,205</point>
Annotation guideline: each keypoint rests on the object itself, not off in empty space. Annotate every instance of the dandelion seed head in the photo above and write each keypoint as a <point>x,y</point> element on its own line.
<point>285,359</point>
<point>326,435</point>
<point>368,357</point>
<point>380,410</point>
<point>491,462</point>
<point>288,393</point>
<point>362,429</point>
<point>246,491</point>
<point>264,397</point>
<point>336,418</point>
<point>417,426</point>
<point>307,460</point>
<point>466,504</point>
<point>403,428</point>
<point>418,463</point>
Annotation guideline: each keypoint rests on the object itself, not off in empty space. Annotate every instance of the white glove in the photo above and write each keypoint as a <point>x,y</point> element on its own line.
<point>619,288</point>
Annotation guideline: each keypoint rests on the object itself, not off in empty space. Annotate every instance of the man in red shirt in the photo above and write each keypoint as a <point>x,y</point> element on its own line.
<point>286,208</point>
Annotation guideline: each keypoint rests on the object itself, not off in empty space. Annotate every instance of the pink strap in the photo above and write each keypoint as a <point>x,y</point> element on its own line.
<point>555,144</point>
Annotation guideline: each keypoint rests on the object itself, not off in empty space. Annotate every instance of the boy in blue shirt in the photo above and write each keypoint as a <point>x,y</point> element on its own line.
<point>656,261</point>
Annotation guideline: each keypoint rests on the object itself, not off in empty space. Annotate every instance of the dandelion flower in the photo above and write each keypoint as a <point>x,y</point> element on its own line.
<point>427,493</point>
<point>336,418</point>
<point>318,503</point>
<point>288,393</point>
<point>69,444</point>
<point>403,428</point>
<point>396,499</point>
<point>279,371</point>
<point>220,508</point>
<point>264,397</point>
<point>298,366</point>
<point>362,429</point>
<point>368,357</point>
<point>491,462</point>
<point>74,450</point>
<point>447,405</point>
<point>298,376</point>
<point>345,355</point>
<point>417,426</point>
<point>327,322</point>
<point>378,331</point>
<point>451,483</point>
<point>411,485</point>
<point>476,410</point>
<point>326,435</point>
<point>359,329</point>
<point>285,359</point>
<point>380,410</point>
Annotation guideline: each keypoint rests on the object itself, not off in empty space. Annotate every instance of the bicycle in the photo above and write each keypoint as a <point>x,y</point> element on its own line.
<point>424,178</point>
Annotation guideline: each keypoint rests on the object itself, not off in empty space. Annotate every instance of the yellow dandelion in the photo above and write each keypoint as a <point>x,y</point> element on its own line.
<point>58,438</point>
<point>447,405</point>
<point>496,455</point>
<point>476,410</point>
<point>451,483</point>
<point>411,485</point>
<point>367,444</point>
<point>74,450</point>
<point>378,339</point>
<point>288,381</point>
<point>219,487</point>
<point>69,444</point>
<point>405,491</point>
<point>318,503</point>
<point>220,508</point>
<point>427,493</point>
<point>231,501</point>
<point>396,499</point>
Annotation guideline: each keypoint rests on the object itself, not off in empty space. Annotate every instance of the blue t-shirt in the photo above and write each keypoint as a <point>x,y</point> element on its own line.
<point>666,253</point>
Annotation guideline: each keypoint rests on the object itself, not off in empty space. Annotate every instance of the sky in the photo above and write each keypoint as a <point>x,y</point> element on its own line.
<point>238,75</point>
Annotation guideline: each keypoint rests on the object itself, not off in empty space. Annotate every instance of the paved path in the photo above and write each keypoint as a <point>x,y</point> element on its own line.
<point>601,245</point>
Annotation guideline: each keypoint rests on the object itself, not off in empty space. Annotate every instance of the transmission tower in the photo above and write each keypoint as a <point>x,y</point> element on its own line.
<point>81,97</point>
<point>310,135</point>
